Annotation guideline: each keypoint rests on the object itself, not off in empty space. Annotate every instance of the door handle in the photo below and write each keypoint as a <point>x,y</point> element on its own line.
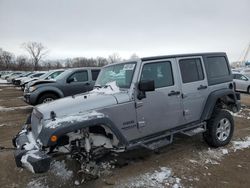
<point>174,93</point>
<point>202,87</point>
<point>87,84</point>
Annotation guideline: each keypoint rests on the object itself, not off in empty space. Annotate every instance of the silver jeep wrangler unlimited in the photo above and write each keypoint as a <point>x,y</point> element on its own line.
<point>141,103</point>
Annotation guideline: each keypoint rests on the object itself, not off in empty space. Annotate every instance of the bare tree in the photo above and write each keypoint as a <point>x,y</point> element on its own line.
<point>134,56</point>
<point>101,61</point>
<point>36,50</point>
<point>6,59</point>
<point>22,63</point>
<point>114,58</point>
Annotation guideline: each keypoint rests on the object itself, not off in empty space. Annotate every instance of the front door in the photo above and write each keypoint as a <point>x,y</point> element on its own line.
<point>77,83</point>
<point>194,87</point>
<point>161,109</point>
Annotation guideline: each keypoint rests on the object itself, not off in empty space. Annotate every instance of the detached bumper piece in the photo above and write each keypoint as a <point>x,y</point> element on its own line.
<point>31,158</point>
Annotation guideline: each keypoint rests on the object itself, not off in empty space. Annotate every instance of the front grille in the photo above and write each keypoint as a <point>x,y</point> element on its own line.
<point>36,122</point>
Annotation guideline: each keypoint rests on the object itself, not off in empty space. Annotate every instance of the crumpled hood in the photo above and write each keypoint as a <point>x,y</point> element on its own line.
<point>74,105</point>
<point>37,82</point>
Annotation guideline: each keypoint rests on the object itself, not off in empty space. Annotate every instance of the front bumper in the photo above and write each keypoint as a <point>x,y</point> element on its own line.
<point>30,98</point>
<point>28,155</point>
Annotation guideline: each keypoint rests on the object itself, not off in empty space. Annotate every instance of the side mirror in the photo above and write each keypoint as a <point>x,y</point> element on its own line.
<point>69,80</point>
<point>146,85</point>
<point>143,86</point>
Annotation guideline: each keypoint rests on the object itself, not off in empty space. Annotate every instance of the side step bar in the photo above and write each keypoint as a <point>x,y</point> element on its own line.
<point>162,140</point>
<point>191,132</point>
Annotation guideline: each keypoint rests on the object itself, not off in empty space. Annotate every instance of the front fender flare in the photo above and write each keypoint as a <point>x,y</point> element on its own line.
<point>67,127</point>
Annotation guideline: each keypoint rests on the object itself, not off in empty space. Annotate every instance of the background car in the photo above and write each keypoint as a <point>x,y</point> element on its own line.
<point>70,82</point>
<point>241,82</point>
<point>34,76</point>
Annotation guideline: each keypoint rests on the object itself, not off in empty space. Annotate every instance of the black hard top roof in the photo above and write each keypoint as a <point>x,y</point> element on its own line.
<point>183,55</point>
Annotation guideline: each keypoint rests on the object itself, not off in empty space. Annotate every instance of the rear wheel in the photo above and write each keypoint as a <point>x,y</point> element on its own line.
<point>47,98</point>
<point>220,129</point>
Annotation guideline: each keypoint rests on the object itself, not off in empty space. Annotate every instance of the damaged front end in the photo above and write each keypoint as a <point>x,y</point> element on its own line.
<point>28,153</point>
<point>81,136</point>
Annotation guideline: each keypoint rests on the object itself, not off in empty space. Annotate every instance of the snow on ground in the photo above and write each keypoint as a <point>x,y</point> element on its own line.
<point>37,183</point>
<point>159,178</point>
<point>58,168</point>
<point>214,156</point>
<point>243,113</point>
<point>6,109</point>
<point>242,144</point>
<point>3,81</point>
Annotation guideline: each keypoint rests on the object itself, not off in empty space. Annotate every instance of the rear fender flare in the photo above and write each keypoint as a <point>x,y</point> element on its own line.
<point>213,98</point>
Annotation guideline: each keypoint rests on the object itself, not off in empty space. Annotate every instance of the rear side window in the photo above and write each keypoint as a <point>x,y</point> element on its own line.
<point>217,67</point>
<point>191,70</point>
<point>160,72</point>
<point>81,76</point>
<point>95,74</point>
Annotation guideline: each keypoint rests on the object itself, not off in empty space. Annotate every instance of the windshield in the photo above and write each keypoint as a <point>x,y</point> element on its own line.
<point>122,74</point>
<point>54,75</point>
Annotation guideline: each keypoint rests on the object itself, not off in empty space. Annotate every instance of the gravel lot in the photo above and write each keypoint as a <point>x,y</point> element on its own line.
<point>188,162</point>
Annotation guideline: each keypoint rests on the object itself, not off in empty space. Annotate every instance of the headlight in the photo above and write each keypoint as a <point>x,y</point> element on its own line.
<point>32,88</point>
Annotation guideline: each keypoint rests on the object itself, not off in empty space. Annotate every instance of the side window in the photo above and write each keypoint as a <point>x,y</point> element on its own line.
<point>242,77</point>
<point>217,67</point>
<point>191,70</point>
<point>160,72</point>
<point>81,76</point>
<point>94,74</point>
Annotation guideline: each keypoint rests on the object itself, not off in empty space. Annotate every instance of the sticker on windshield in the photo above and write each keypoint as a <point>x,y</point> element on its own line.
<point>129,67</point>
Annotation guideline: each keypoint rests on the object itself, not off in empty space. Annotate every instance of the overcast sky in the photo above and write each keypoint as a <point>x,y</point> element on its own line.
<point>70,28</point>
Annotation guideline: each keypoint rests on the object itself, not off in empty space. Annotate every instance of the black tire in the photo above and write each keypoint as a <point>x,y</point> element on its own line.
<point>213,125</point>
<point>248,90</point>
<point>46,97</point>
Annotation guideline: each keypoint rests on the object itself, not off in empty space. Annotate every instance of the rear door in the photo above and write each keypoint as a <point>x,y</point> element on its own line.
<point>161,109</point>
<point>79,84</point>
<point>194,87</point>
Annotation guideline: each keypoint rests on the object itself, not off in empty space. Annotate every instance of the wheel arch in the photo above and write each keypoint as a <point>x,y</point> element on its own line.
<point>68,127</point>
<point>56,92</point>
<point>218,99</point>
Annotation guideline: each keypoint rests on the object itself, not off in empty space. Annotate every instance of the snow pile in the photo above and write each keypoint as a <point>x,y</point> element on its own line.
<point>73,119</point>
<point>37,183</point>
<point>239,145</point>
<point>7,109</point>
<point>110,88</point>
<point>58,168</point>
<point>25,158</point>
<point>243,113</point>
<point>159,178</point>
<point>212,156</point>
<point>32,142</point>
<point>3,81</point>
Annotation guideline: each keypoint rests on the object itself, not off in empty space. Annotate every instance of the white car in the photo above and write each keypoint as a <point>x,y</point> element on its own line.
<point>242,82</point>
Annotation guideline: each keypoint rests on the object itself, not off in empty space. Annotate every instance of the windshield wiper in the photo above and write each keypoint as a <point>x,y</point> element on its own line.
<point>97,86</point>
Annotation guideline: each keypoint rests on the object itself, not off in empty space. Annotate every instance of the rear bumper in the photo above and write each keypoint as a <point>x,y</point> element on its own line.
<point>28,155</point>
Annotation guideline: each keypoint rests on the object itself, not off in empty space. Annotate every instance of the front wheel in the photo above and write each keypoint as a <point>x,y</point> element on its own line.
<point>47,98</point>
<point>220,129</point>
